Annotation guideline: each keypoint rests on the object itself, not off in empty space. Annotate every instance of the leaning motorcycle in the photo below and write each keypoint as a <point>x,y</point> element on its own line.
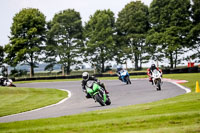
<point>98,94</point>
<point>124,77</point>
<point>156,78</point>
<point>6,82</point>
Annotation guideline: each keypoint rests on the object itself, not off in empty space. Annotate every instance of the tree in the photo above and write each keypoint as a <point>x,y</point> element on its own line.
<point>153,50</point>
<point>65,39</point>
<point>1,55</point>
<point>170,21</point>
<point>99,38</point>
<point>194,35</point>
<point>27,37</point>
<point>132,26</point>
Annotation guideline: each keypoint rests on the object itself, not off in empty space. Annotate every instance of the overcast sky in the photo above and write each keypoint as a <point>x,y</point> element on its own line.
<point>8,9</point>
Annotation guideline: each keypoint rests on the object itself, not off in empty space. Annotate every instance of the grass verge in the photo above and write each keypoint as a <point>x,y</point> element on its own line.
<point>174,115</point>
<point>15,100</point>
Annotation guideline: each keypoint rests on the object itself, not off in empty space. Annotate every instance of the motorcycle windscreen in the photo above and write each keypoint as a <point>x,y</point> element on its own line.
<point>124,73</point>
<point>156,74</point>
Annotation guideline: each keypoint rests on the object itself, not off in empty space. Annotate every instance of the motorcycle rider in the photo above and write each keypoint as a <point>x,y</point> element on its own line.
<point>2,79</point>
<point>4,74</point>
<point>119,70</point>
<point>150,70</point>
<point>4,70</point>
<point>87,78</point>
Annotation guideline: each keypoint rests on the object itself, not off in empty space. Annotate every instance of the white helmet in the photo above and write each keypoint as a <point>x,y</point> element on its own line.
<point>85,76</point>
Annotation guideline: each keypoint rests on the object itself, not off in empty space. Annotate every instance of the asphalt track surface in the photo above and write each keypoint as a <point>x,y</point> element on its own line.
<point>140,91</point>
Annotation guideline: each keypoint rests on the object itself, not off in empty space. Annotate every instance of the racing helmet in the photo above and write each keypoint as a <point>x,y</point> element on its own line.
<point>85,76</point>
<point>119,68</point>
<point>153,66</point>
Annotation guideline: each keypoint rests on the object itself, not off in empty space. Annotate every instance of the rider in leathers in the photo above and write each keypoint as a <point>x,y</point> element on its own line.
<point>87,78</point>
<point>4,75</point>
<point>150,70</point>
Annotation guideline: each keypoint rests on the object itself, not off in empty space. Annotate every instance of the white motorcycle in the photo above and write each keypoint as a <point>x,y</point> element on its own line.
<point>6,82</point>
<point>157,79</point>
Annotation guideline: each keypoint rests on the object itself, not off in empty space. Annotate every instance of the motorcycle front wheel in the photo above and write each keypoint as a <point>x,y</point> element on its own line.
<point>12,85</point>
<point>99,100</point>
<point>158,85</point>
<point>128,80</point>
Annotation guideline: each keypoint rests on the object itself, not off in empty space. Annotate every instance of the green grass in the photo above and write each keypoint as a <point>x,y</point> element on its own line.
<point>15,100</point>
<point>180,114</point>
<point>191,78</point>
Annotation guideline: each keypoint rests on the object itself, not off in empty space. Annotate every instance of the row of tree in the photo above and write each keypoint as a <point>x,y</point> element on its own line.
<point>165,30</point>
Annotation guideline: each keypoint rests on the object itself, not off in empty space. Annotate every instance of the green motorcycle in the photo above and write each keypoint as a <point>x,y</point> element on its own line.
<point>98,94</point>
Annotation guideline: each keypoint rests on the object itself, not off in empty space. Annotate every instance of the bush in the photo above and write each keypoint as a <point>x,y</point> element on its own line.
<point>18,73</point>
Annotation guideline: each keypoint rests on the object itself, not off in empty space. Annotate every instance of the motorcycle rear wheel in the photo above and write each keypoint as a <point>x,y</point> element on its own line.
<point>108,102</point>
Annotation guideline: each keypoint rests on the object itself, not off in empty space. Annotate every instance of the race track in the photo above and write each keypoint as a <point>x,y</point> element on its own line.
<point>140,91</point>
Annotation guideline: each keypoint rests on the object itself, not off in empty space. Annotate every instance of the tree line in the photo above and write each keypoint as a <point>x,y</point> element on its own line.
<point>164,30</point>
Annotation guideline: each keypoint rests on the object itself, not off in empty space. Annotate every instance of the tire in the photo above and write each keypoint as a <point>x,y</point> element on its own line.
<point>158,85</point>
<point>12,85</point>
<point>127,82</point>
<point>99,100</point>
<point>108,102</point>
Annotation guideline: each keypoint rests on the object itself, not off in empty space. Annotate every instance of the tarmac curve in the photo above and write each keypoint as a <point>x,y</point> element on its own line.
<point>140,91</point>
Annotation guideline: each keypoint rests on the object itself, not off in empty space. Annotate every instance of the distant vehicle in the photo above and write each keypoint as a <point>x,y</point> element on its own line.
<point>156,79</point>
<point>98,93</point>
<point>4,80</point>
<point>124,76</point>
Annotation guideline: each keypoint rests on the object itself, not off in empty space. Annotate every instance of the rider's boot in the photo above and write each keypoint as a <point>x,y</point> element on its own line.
<point>103,86</point>
<point>88,95</point>
<point>106,91</point>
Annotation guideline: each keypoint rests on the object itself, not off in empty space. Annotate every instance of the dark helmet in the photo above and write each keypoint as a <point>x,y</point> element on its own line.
<point>153,66</point>
<point>85,76</point>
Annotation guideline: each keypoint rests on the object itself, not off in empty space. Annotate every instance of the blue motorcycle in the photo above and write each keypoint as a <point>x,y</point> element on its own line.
<point>124,76</point>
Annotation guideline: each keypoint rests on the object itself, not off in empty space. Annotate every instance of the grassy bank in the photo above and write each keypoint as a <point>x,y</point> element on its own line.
<point>15,100</point>
<point>174,115</point>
